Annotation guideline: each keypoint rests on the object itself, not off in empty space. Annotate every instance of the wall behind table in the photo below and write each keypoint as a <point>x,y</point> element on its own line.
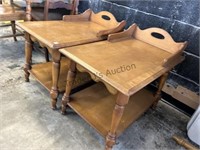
<point>181,18</point>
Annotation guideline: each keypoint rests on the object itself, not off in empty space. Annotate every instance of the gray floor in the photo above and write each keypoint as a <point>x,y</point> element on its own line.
<point>27,122</point>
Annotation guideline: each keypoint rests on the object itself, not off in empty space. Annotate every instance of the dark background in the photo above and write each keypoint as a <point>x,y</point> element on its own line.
<point>181,18</point>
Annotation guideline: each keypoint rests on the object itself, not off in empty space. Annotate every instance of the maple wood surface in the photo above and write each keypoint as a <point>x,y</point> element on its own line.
<point>142,61</point>
<point>59,34</point>
<point>73,30</point>
<point>125,64</point>
<point>102,58</point>
<point>56,34</point>
<point>95,104</point>
<point>43,73</point>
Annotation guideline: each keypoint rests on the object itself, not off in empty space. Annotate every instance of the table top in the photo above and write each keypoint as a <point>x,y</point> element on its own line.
<point>74,30</point>
<point>127,64</point>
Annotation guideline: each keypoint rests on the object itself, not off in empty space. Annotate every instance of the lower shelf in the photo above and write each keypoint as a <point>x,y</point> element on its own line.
<point>43,73</point>
<point>95,105</point>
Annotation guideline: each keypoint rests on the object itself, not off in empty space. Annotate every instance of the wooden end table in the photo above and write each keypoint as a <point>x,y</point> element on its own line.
<point>53,35</point>
<point>124,64</point>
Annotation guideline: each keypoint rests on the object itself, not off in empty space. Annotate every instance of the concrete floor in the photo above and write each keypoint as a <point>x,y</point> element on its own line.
<point>28,123</point>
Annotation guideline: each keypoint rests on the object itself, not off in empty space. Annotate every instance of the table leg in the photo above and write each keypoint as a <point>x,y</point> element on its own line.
<point>163,78</point>
<point>46,53</point>
<point>56,57</point>
<point>70,80</point>
<point>28,55</point>
<point>121,101</point>
<point>28,10</point>
<point>14,30</point>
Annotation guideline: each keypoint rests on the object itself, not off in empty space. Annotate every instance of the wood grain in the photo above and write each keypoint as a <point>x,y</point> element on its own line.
<point>167,44</point>
<point>127,49</point>
<point>70,32</point>
<point>58,34</point>
<point>95,105</point>
<point>43,73</point>
<point>143,56</point>
<point>126,62</point>
<point>85,16</point>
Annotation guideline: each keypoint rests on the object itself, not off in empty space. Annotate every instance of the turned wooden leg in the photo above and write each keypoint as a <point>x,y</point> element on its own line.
<point>70,80</point>
<point>121,101</point>
<point>13,30</point>
<point>28,10</point>
<point>163,78</point>
<point>28,55</point>
<point>56,56</point>
<point>46,54</point>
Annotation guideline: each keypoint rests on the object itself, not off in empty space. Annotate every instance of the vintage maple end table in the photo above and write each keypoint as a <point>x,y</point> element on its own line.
<point>124,64</point>
<point>72,30</point>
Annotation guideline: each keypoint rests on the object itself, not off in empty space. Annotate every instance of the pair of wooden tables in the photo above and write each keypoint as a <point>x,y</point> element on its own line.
<point>122,65</point>
<point>53,35</point>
